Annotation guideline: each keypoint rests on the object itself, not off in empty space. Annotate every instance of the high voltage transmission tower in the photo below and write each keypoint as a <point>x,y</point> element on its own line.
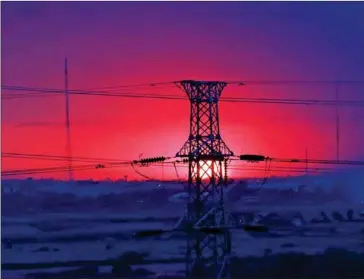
<point>207,156</point>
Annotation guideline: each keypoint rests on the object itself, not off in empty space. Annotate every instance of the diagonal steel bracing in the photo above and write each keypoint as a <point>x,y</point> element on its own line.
<point>207,254</point>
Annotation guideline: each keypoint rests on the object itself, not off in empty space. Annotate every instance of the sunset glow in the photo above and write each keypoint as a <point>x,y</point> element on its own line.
<point>205,169</point>
<point>110,44</point>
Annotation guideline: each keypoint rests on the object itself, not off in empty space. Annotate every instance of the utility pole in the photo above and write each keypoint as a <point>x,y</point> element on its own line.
<point>208,254</point>
<point>68,128</point>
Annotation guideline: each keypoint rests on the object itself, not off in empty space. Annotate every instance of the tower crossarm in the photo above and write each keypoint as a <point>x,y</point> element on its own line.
<point>204,137</point>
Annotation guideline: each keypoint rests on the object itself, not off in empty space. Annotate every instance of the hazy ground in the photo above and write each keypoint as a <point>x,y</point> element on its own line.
<point>61,239</point>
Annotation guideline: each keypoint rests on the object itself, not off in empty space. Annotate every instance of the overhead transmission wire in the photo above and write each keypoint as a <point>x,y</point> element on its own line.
<point>48,91</point>
<point>64,168</point>
<point>260,158</point>
<point>42,92</point>
<point>150,84</point>
<point>120,163</point>
<point>91,167</point>
<point>59,157</point>
<point>112,161</point>
<point>106,163</point>
<point>232,82</point>
<point>173,97</point>
<point>294,82</point>
<point>266,169</point>
<point>173,164</point>
<point>139,173</point>
<point>236,82</point>
<point>109,160</point>
<point>319,161</point>
<point>45,170</point>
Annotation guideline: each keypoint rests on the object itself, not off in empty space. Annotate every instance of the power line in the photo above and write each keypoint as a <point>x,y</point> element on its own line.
<point>295,82</point>
<point>49,157</point>
<point>48,91</point>
<point>106,161</point>
<point>49,170</point>
<point>263,168</point>
<point>128,164</point>
<point>59,158</point>
<point>5,96</point>
<point>150,84</point>
<point>317,161</point>
<point>239,83</point>
<point>242,82</point>
<point>261,158</point>
<point>235,82</point>
<point>111,163</point>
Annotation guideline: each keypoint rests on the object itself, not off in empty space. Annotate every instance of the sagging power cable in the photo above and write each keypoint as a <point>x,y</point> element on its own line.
<point>48,91</point>
<point>59,157</point>
<point>253,158</point>
<point>139,173</point>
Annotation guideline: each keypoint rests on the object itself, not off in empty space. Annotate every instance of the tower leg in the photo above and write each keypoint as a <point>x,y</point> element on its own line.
<point>207,253</point>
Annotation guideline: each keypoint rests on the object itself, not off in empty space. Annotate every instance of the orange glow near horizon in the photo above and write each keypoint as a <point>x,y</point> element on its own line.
<point>275,135</point>
<point>205,169</point>
<point>115,44</point>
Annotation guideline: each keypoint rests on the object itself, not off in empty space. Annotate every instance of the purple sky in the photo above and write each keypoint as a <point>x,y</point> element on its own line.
<point>113,43</point>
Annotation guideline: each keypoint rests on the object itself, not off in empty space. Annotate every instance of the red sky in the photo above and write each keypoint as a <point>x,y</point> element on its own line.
<point>125,43</point>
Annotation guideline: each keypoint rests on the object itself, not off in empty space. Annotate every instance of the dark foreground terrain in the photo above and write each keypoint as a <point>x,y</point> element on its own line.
<point>333,263</point>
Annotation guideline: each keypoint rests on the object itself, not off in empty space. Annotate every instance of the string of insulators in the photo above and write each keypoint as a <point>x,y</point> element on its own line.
<point>148,161</point>
<point>225,172</point>
<point>252,158</point>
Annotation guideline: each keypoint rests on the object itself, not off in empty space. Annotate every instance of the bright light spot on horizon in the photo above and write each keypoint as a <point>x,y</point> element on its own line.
<point>205,169</point>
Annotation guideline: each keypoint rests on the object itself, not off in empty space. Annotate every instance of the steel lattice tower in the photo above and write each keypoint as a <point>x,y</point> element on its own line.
<point>208,254</point>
